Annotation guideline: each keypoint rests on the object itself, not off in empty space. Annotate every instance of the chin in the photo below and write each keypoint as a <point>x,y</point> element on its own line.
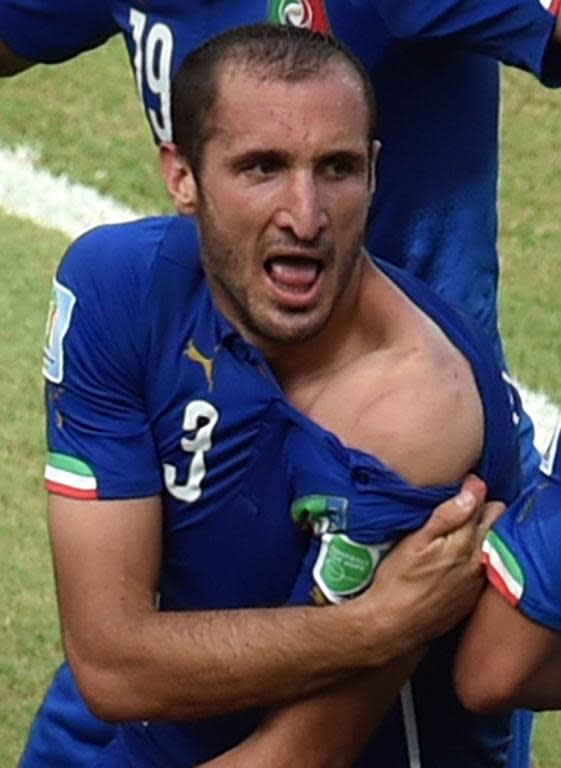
<point>286,327</point>
<point>287,333</point>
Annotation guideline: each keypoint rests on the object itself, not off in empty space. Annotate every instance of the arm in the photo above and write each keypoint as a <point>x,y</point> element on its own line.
<point>132,662</point>
<point>50,31</point>
<point>305,733</point>
<point>329,730</point>
<point>517,32</point>
<point>513,639</point>
<point>506,660</point>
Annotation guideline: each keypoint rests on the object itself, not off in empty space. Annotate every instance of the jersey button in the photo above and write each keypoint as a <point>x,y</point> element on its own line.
<point>361,476</point>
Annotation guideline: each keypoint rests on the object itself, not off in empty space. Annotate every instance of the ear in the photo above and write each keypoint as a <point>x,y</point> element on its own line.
<point>376,146</point>
<point>179,178</point>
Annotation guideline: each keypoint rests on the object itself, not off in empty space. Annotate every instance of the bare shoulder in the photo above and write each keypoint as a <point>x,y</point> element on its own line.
<point>436,418</point>
<point>415,406</point>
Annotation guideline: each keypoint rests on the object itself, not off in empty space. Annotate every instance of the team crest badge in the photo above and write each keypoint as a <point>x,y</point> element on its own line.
<point>58,322</point>
<point>309,14</point>
<point>320,513</point>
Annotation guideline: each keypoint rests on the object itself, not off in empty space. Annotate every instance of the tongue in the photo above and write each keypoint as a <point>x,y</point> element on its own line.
<point>294,273</point>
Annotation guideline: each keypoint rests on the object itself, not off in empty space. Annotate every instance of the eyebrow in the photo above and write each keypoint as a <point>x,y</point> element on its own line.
<point>259,155</point>
<point>358,159</point>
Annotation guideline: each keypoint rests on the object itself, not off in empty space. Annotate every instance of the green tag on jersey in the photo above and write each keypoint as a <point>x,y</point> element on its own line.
<point>345,568</point>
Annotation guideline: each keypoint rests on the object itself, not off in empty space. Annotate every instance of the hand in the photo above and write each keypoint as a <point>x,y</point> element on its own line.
<point>433,578</point>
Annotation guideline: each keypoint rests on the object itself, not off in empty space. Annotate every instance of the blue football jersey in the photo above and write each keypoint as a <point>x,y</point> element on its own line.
<point>522,551</point>
<point>150,390</point>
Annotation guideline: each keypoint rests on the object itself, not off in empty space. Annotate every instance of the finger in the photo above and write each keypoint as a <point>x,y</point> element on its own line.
<point>467,538</point>
<point>475,485</point>
<point>467,541</point>
<point>492,510</point>
<point>457,547</point>
<point>491,513</point>
<point>460,510</point>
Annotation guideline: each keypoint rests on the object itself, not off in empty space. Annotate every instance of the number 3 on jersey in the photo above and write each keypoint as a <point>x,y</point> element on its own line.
<point>199,419</point>
<point>153,54</point>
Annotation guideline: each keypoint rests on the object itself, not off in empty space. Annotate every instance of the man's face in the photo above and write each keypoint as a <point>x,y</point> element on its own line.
<point>283,194</point>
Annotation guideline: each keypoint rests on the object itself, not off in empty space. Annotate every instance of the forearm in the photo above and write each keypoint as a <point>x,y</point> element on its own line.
<point>192,665</point>
<point>329,730</point>
<point>133,662</point>
<point>143,664</point>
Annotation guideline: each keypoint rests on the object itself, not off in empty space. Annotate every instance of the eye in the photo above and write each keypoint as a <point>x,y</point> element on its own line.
<point>261,166</point>
<point>342,166</point>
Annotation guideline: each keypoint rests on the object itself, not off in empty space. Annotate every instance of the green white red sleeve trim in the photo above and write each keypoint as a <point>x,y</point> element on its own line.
<point>68,476</point>
<point>553,6</point>
<point>503,570</point>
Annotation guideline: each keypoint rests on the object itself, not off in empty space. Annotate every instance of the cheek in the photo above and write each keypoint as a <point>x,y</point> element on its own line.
<point>349,211</point>
<point>243,205</point>
<point>231,220</point>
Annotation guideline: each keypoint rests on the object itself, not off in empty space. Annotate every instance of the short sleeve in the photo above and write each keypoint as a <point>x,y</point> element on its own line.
<point>522,551</point>
<point>99,436</point>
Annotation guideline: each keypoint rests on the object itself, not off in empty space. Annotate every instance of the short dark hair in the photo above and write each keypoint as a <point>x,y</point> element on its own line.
<point>272,52</point>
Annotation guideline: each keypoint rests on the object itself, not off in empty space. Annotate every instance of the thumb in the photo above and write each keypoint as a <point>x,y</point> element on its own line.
<point>457,511</point>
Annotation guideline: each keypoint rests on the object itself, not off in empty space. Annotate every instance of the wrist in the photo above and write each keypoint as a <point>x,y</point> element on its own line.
<point>374,631</point>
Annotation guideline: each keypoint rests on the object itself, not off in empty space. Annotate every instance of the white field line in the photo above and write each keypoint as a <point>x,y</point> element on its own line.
<point>54,202</point>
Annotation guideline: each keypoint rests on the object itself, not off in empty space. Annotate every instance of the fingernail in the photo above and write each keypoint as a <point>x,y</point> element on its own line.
<point>465,500</point>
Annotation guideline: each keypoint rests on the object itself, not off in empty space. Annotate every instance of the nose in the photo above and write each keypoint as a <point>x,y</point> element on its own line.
<point>302,209</point>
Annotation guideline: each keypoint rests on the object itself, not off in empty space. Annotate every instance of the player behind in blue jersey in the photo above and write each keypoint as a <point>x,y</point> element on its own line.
<point>519,624</point>
<point>175,453</point>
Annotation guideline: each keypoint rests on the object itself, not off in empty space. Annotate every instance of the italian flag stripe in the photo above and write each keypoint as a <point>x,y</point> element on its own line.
<point>503,570</point>
<point>553,6</point>
<point>64,490</point>
<point>67,472</point>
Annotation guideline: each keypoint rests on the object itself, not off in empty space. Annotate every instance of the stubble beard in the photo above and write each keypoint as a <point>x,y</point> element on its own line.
<point>258,323</point>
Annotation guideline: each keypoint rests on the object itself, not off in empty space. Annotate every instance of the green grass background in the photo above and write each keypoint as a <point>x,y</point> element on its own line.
<point>83,119</point>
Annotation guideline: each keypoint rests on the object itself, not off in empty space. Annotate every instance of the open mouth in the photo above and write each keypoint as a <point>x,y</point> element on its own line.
<point>294,278</point>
